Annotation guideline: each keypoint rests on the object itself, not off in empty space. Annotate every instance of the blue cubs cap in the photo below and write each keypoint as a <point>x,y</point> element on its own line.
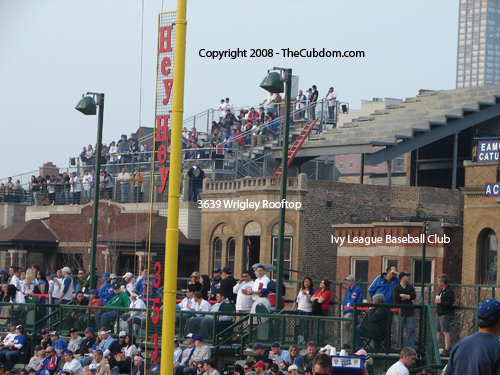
<point>94,291</point>
<point>3,272</point>
<point>264,292</point>
<point>105,275</point>
<point>89,329</point>
<point>489,308</point>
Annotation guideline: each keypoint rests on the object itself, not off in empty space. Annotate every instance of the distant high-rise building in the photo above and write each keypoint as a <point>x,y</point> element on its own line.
<point>478,55</point>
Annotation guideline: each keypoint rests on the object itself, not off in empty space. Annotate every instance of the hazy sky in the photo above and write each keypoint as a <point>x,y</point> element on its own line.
<point>51,52</point>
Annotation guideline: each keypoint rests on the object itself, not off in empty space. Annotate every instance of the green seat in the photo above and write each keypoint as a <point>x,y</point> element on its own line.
<point>228,308</point>
<point>263,324</point>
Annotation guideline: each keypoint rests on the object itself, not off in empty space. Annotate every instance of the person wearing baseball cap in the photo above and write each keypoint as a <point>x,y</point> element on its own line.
<point>11,335</point>
<point>94,300</point>
<point>93,368</point>
<point>187,352</point>
<point>331,99</point>
<point>10,351</point>
<point>261,354</point>
<point>260,368</point>
<point>75,341</point>
<point>45,338</point>
<point>201,353</point>
<point>57,343</point>
<point>86,344</point>
<point>404,294</point>
<point>67,287</point>
<point>107,293</point>
<point>71,363</point>
<point>478,354</point>
<point>120,299</point>
<point>293,370</point>
<point>353,294</point>
<point>215,285</point>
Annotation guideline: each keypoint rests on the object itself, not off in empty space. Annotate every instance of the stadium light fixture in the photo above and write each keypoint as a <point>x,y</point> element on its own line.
<point>277,83</point>
<point>88,106</point>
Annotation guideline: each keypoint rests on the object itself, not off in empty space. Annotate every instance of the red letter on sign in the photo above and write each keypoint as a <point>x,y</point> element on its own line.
<point>168,88</point>
<point>162,154</point>
<point>164,177</point>
<point>162,128</point>
<point>165,40</point>
<point>164,63</point>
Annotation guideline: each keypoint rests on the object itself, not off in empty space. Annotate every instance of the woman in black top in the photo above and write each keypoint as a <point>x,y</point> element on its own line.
<point>206,286</point>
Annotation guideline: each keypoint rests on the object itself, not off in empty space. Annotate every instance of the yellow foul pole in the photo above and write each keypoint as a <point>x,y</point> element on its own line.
<point>172,235</point>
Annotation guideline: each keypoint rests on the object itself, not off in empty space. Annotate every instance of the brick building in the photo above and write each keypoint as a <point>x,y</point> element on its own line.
<point>481,224</point>
<point>242,237</point>
<point>57,236</point>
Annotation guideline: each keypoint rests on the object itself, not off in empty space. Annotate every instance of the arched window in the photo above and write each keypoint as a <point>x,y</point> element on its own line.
<point>488,254</point>
<point>231,251</point>
<point>217,253</point>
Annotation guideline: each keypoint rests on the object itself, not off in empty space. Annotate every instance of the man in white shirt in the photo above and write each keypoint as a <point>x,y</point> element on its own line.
<point>260,283</point>
<point>66,286</point>
<point>187,304</point>
<point>71,363</point>
<point>406,360</point>
<point>268,102</point>
<point>15,279</point>
<point>222,109</point>
<point>124,178</point>
<point>331,97</point>
<point>10,336</point>
<point>87,181</point>
<point>136,317</point>
<point>111,155</point>
<point>75,191</point>
<point>229,105</point>
<point>200,303</point>
<point>244,293</point>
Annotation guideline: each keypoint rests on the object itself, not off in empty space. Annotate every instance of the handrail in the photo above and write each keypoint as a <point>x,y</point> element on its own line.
<point>432,329</point>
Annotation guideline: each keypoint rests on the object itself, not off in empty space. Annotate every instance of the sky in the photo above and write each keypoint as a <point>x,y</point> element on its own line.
<point>53,51</point>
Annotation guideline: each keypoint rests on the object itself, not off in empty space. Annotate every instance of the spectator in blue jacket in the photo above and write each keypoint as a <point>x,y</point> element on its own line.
<point>57,343</point>
<point>107,293</point>
<point>384,284</point>
<point>105,283</point>
<point>353,294</point>
<point>145,287</point>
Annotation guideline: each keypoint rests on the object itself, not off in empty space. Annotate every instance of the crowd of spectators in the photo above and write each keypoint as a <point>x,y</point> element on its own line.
<point>223,293</point>
<point>126,153</point>
<point>71,189</point>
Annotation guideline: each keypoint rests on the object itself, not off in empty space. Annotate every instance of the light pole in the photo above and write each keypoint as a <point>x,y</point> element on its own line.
<point>277,83</point>
<point>87,106</point>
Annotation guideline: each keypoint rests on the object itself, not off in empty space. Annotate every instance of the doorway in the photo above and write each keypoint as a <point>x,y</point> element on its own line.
<point>251,252</point>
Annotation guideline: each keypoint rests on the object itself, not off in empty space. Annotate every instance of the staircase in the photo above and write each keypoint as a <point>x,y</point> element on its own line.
<point>299,141</point>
